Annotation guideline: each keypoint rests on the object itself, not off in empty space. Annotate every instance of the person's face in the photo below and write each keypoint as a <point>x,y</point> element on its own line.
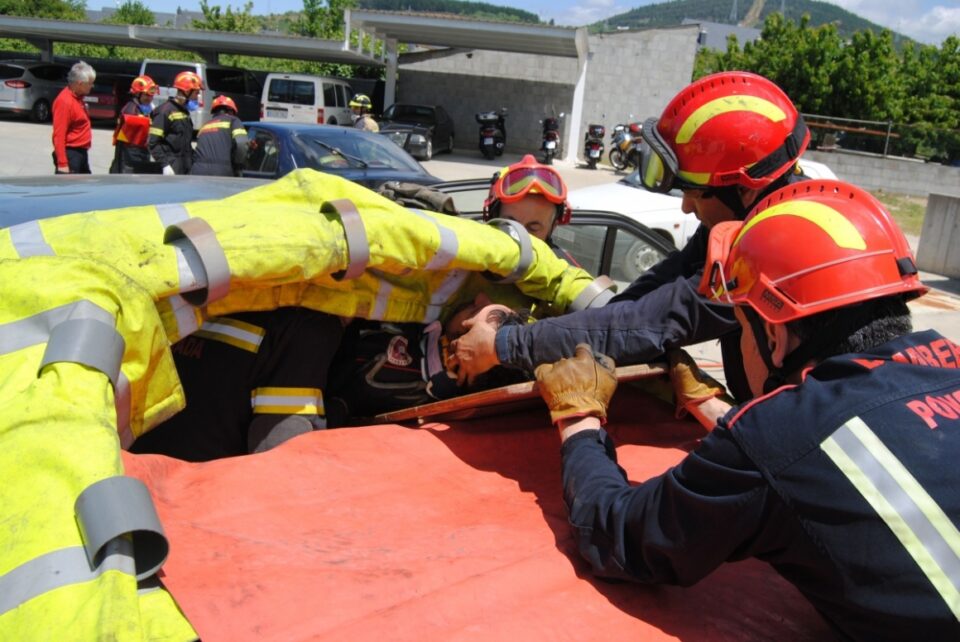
<point>145,99</point>
<point>83,88</point>
<point>193,95</point>
<point>710,210</point>
<point>534,212</point>
<point>454,327</point>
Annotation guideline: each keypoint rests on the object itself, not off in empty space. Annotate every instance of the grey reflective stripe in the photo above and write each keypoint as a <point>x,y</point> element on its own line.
<point>431,336</point>
<point>519,234</point>
<point>600,288</point>
<point>116,506</point>
<point>171,214</point>
<point>36,329</point>
<point>185,315</point>
<point>451,283</point>
<point>121,401</point>
<point>27,239</point>
<point>60,568</point>
<point>381,299</point>
<point>190,268</point>
<point>925,531</point>
<point>88,342</point>
<point>358,248</point>
<point>212,261</point>
<point>449,243</point>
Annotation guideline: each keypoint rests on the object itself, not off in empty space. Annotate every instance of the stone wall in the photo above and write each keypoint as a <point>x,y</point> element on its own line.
<point>892,174</point>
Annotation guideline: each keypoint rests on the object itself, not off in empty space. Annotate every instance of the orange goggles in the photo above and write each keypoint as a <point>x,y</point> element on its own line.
<point>520,181</point>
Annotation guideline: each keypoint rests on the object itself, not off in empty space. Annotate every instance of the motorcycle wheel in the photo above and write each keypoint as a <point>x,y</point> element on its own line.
<point>548,158</point>
<point>487,153</point>
<point>592,163</point>
<point>616,159</point>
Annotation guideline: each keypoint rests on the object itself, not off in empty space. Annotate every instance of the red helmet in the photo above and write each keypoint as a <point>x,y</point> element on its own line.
<point>224,101</point>
<point>527,177</point>
<point>143,85</point>
<point>809,247</point>
<point>730,128</point>
<point>187,81</point>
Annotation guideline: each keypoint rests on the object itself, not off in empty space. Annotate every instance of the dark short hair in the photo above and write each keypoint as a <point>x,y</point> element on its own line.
<point>502,375</point>
<point>889,318</point>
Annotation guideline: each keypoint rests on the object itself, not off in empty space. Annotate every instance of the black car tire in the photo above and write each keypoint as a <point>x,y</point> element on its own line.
<point>428,153</point>
<point>450,144</point>
<point>40,112</point>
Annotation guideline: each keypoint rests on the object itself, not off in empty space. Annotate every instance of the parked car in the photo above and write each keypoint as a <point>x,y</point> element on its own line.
<point>110,92</point>
<point>359,156</point>
<point>602,243</point>
<point>419,129</point>
<point>659,212</point>
<point>30,87</point>
<point>301,98</point>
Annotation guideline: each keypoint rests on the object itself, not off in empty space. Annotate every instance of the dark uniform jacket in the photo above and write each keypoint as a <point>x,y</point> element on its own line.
<point>130,138</point>
<point>171,136</point>
<point>238,367</point>
<point>221,147</point>
<point>848,484</point>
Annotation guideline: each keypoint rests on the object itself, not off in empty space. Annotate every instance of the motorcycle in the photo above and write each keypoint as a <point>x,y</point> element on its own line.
<point>625,143</point>
<point>551,138</point>
<point>593,145</point>
<point>493,132</point>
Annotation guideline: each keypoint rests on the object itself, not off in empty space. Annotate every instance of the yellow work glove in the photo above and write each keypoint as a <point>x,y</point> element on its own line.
<point>580,386</point>
<point>691,385</point>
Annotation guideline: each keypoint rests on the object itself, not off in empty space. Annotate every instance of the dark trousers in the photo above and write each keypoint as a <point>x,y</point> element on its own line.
<point>77,161</point>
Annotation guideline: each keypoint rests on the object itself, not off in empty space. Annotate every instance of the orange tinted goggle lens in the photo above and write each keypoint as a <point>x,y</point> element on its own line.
<point>522,181</point>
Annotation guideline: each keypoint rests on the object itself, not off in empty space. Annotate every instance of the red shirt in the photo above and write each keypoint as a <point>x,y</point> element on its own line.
<point>71,125</point>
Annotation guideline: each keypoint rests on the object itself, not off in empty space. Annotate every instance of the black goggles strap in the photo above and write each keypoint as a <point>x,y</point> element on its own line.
<point>788,151</point>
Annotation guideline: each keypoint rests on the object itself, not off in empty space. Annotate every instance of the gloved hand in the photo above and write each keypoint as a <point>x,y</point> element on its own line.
<point>168,171</point>
<point>580,386</point>
<point>252,144</point>
<point>691,385</point>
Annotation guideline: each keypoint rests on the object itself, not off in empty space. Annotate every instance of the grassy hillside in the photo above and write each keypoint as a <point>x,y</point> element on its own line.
<point>479,10</point>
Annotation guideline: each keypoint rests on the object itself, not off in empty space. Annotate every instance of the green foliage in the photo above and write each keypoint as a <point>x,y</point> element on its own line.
<point>479,10</point>
<point>236,21</point>
<point>54,9</point>
<point>132,12</point>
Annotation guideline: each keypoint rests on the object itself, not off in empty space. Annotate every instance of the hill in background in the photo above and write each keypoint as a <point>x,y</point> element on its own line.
<point>478,10</point>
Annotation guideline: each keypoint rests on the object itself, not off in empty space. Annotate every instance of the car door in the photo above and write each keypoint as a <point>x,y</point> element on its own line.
<point>263,158</point>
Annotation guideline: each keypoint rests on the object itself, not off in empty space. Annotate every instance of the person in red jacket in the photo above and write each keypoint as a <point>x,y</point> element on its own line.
<point>71,122</point>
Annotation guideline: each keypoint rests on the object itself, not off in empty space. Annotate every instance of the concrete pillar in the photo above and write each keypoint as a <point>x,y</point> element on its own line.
<point>390,84</point>
<point>939,247</point>
<point>572,146</point>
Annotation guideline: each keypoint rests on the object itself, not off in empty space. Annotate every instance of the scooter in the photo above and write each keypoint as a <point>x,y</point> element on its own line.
<point>625,146</point>
<point>550,144</point>
<point>593,145</point>
<point>493,132</point>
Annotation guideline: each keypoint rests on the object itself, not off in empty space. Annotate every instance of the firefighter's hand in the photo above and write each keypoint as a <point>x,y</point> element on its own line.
<point>691,385</point>
<point>580,386</point>
<point>252,145</point>
<point>475,351</point>
<point>168,171</point>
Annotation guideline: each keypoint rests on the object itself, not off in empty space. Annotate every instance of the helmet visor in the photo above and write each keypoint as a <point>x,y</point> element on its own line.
<point>658,163</point>
<point>516,184</point>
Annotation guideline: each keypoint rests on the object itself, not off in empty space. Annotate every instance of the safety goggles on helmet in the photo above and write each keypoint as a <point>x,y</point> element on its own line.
<point>519,180</point>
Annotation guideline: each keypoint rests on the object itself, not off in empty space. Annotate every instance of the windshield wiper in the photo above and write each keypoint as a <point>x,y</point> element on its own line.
<point>359,161</point>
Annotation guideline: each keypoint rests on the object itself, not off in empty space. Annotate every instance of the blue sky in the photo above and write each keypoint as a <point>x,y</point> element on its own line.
<point>927,21</point>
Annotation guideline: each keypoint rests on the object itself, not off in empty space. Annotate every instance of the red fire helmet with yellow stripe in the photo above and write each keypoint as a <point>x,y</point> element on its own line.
<point>723,124</point>
<point>809,247</point>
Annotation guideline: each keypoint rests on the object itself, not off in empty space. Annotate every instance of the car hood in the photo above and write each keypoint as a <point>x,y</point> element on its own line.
<point>399,126</point>
<point>622,198</point>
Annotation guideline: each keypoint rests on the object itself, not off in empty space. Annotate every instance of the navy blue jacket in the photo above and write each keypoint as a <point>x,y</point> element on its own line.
<point>660,310</point>
<point>848,484</point>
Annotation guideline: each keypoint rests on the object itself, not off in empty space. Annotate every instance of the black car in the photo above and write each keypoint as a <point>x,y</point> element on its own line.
<point>358,156</point>
<point>419,129</point>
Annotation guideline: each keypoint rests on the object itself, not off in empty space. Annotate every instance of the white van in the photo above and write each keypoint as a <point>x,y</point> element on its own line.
<point>239,84</point>
<point>301,98</point>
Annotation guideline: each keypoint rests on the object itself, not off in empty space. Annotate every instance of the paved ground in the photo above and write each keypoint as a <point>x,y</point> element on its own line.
<point>27,150</point>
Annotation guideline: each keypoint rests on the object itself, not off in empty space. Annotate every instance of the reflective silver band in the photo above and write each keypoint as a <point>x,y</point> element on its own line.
<point>88,342</point>
<point>381,299</point>
<point>185,315</point>
<point>171,214</point>
<point>209,259</point>
<point>595,295</point>
<point>924,530</point>
<point>35,329</point>
<point>116,506</point>
<point>27,239</point>
<point>519,234</point>
<point>451,283</point>
<point>449,244</point>
<point>191,273</point>
<point>358,248</point>
<point>61,568</point>
<point>122,401</point>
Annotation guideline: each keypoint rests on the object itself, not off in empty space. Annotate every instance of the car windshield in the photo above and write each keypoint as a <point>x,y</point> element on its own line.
<point>343,151</point>
<point>410,114</point>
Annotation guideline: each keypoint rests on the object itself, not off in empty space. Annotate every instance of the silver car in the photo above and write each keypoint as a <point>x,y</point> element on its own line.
<point>30,87</point>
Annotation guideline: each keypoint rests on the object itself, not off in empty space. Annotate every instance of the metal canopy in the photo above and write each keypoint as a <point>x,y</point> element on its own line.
<point>207,43</point>
<point>446,31</point>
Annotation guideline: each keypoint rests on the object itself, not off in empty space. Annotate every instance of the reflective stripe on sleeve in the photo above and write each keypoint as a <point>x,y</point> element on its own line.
<point>245,336</point>
<point>61,568</point>
<point>451,283</point>
<point>89,342</point>
<point>287,401</point>
<point>381,299</point>
<point>122,401</point>
<point>597,293</point>
<point>449,243</point>
<point>35,329</point>
<point>219,124</point>
<point>205,256</point>
<point>358,248</point>
<point>239,132</point>
<point>156,131</point>
<point>519,234</point>
<point>915,518</point>
<point>27,239</point>
<point>187,316</point>
<point>172,213</point>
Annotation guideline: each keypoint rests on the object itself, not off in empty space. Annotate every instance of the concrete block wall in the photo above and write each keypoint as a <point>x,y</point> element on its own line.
<point>939,247</point>
<point>898,175</point>
<point>629,72</point>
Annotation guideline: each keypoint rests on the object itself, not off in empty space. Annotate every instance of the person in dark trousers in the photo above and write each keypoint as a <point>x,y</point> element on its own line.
<point>71,122</point>
<point>533,195</point>
<point>171,132</point>
<point>726,141</point>
<point>222,142</point>
<point>841,472</point>
<point>131,155</point>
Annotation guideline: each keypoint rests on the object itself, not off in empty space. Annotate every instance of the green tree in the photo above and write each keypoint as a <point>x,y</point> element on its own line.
<point>214,19</point>
<point>132,12</point>
<point>322,18</point>
<point>54,9</point>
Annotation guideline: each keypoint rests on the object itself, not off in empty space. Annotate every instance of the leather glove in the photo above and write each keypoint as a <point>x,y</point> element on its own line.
<point>168,171</point>
<point>580,386</point>
<point>691,385</point>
